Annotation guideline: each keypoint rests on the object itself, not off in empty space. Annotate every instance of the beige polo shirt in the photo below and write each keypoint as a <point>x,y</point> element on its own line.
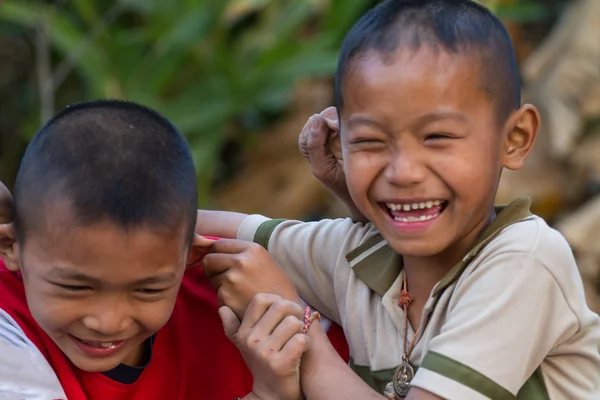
<point>508,322</point>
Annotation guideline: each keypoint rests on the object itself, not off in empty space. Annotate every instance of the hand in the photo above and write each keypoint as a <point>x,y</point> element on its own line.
<point>239,270</point>
<point>320,146</point>
<point>271,342</point>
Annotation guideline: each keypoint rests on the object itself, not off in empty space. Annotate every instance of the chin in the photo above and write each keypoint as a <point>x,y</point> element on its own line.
<point>94,365</point>
<point>416,248</point>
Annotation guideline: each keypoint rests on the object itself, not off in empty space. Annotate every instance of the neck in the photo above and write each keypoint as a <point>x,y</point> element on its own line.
<point>423,273</point>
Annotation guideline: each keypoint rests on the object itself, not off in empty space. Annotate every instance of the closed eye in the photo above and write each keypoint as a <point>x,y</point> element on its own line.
<point>364,140</point>
<point>73,288</point>
<point>150,291</point>
<point>438,136</point>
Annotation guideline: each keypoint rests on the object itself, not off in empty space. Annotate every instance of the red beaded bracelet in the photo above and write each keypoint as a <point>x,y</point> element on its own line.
<point>309,318</point>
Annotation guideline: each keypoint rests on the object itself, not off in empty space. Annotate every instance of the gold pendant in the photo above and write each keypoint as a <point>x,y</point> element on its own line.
<point>402,377</point>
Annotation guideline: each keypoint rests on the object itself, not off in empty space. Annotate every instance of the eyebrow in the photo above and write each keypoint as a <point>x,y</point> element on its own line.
<point>64,273</point>
<point>360,120</point>
<point>420,120</point>
<point>439,116</point>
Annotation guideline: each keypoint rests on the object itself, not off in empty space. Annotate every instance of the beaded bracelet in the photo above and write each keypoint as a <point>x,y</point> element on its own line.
<point>309,319</point>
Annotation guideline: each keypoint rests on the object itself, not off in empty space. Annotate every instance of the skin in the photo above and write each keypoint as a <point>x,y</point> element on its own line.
<point>99,282</point>
<point>418,126</point>
<point>428,151</point>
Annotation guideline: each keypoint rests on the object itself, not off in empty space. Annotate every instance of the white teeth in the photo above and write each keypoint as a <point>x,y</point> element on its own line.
<point>414,206</point>
<point>105,345</point>
<point>416,219</point>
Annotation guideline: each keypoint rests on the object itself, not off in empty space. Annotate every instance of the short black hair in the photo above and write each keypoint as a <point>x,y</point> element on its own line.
<point>456,26</point>
<point>109,159</point>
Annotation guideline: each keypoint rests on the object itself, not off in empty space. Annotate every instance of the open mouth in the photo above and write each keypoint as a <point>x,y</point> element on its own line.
<point>415,211</point>
<point>103,345</point>
<point>98,346</point>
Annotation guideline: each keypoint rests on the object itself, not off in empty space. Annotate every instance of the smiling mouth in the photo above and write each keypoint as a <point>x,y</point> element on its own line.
<point>415,211</point>
<point>100,344</point>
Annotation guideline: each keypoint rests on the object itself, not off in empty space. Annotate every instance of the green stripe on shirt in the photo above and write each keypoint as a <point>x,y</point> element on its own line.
<point>533,389</point>
<point>263,233</point>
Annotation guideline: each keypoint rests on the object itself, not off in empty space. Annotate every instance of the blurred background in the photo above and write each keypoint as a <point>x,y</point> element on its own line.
<point>240,77</point>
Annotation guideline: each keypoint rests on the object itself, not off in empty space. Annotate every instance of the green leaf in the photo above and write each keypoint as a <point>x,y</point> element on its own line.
<point>66,37</point>
<point>532,12</point>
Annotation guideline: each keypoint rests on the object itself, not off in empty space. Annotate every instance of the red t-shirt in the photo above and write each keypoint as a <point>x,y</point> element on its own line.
<point>191,356</point>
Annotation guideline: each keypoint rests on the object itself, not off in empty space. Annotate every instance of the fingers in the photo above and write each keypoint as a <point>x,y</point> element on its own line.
<point>231,323</point>
<point>230,253</point>
<point>201,246</point>
<point>295,347</point>
<point>218,263</point>
<point>330,113</point>
<point>316,131</point>
<point>277,310</point>
<point>232,246</point>
<point>283,315</point>
<point>284,332</point>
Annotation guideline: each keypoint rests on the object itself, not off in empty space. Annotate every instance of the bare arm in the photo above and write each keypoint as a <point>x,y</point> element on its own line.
<point>325,376</point>
<point>223,224</point>
<point>321,366</point>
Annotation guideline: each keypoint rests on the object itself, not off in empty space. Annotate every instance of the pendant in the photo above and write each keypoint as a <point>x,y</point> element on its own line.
<point>402,377</point>
<point>389,392</point>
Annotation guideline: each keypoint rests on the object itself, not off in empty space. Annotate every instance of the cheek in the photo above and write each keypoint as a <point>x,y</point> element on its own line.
<point>156,315</point>
<point>51,313</point>
<point>472,175</point>
<point>362,169</point>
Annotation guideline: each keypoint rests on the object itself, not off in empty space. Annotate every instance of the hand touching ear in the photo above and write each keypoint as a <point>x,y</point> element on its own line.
<point>239,270</point>
<point>319,143</point>
<point>201,246</point>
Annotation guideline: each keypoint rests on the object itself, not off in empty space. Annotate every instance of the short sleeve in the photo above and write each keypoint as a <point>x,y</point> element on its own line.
<point>313,254</point>
<point>502,321</point>
<point>24,370</point>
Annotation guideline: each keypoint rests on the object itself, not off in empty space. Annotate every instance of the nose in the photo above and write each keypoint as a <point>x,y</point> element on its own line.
<point>109,318</point>
<point>406,168</point>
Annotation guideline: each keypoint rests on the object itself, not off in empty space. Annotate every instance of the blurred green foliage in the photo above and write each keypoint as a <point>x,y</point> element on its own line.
<point>218,69</point>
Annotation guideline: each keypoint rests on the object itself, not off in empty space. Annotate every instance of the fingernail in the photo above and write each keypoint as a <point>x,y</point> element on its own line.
<point>315,124</point>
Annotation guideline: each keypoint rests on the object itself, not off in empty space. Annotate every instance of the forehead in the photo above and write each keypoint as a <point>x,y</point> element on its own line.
<point>104,250</point>
<point>415,81</point>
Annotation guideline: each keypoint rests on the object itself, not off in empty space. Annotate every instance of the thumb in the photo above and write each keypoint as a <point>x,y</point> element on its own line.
<point>318,138</point>
<point>231,323</point>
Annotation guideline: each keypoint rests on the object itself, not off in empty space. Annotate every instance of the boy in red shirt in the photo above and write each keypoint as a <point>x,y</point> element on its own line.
<point>96,302</point>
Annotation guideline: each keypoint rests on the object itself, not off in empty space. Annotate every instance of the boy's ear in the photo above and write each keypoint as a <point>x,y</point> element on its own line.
<point>9,247</point>
<point>200,247</point>
<point>6,205</point>
<point>522,127</point>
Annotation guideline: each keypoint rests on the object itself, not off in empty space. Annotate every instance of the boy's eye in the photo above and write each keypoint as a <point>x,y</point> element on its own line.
<point>437,136</point>
<point>368,141</point>
<point>150,291</point>
<point>73,288</point>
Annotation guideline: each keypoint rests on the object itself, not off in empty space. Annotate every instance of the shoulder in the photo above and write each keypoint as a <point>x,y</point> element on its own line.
<point>532,238</point>
<point>23,365</point>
